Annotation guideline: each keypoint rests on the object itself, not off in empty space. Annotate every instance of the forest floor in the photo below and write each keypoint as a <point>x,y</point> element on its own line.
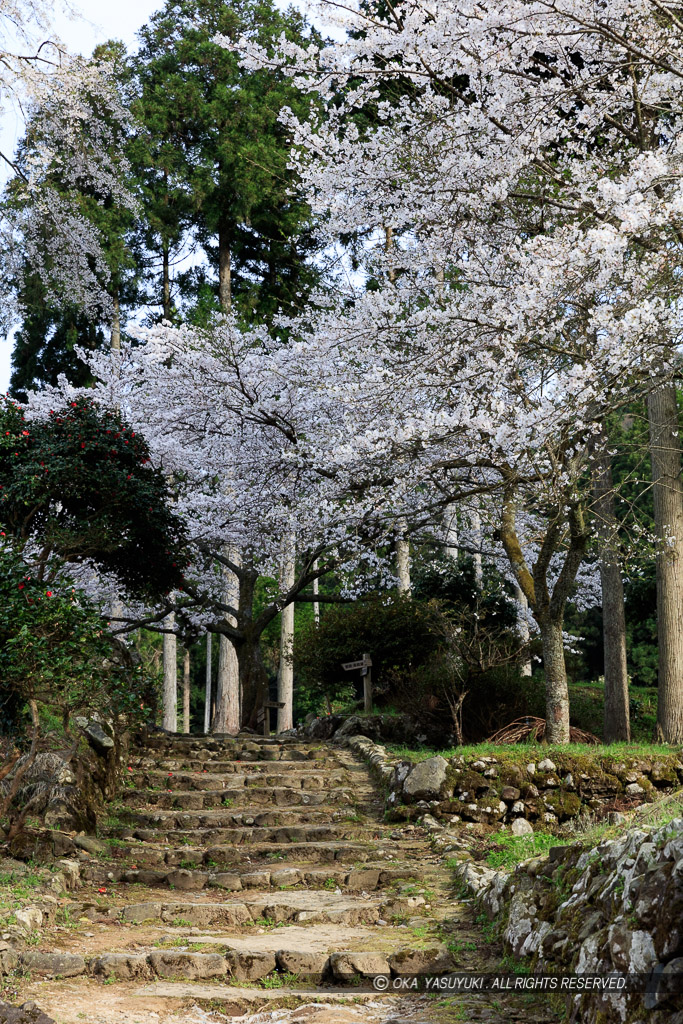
<point>257,881</point>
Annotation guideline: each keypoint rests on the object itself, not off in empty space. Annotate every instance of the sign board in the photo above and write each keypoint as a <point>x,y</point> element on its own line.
<point>364,664</point>
<point>274,704</point>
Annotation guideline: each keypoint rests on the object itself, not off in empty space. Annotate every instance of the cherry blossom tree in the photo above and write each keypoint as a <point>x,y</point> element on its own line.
<point>78,117</point>
<point>534,165</point>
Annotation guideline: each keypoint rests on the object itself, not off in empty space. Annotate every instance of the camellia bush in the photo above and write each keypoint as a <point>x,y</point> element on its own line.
<point>78,484</point>
<point>55,650</point>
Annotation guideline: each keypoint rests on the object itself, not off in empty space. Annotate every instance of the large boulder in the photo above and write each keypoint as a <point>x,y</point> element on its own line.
<point>427,781</point>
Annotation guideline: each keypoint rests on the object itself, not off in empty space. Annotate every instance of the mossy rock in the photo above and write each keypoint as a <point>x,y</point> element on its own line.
<point>467,781</point>
<point>562,803</point>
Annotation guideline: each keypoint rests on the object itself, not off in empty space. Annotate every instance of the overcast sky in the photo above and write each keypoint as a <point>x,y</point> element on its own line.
<point>99,22</point>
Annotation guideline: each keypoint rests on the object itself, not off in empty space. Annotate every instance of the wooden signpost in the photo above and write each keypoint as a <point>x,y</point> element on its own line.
<point>263,714</point>
<point>365,666</point>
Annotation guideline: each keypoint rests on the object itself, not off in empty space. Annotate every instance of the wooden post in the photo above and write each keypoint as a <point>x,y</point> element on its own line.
<point>366,672</point>
<point>365,666</point>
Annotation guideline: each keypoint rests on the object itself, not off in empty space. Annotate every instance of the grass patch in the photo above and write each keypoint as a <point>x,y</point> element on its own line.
<point>523,753</point>
<point>508,850</point>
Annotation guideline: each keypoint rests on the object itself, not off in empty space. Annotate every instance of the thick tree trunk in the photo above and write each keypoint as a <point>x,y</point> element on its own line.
<point>665,453</point>
<point>186,691</point>
<point>170,695</point>
<point>227,714</point>
<point>253,680</point>
<point>617,725</point>
<point>548,607</point>
<point>523,627</point>
<point>556,691</point>
<point>224,272</point>
<point>285,677</point>
<point>207,688</point>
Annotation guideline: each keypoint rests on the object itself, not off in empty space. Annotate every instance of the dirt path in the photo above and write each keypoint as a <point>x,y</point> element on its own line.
<point>256,880</point>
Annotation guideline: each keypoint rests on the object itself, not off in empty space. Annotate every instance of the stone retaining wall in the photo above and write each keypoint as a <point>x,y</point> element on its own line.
<point>616,908</point>
<point>545,791</point>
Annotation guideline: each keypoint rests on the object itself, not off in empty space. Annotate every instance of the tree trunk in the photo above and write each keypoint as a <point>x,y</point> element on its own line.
<point>227,715</point>
<point>403,559</point>
<point>475,523</point>
<point>285,676</point>
<point>451,534</point>
<point>316,591</point>
<point>665,453</point>
<point>170,697</point>
<point>166,280</point>
<point>253,682</point>
<point>556,691</point>
<point>616,725</point>
<point>224,272</point>
<point>186,691</point>
<point>523,627</point>
<point>207,689</point>
<point>115,339</point>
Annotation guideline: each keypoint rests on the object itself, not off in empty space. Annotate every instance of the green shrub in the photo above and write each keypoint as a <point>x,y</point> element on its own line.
<point>54,649</point>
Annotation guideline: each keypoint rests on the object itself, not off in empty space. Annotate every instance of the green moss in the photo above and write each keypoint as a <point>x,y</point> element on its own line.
<point>563,803</point>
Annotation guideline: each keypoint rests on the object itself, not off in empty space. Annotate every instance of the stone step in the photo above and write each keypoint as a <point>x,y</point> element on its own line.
<point>244,798</point>
<point>161,822</point>
<point>215,741</point>
<point>341,966</point>
<point>250,753</point>
<point>211,847</point>
<point>212,818</point>
<point>193,766</point>
<point>246,813</point>
<point>208,782</point>
<point>175,868</point>
<point>191,1002</point>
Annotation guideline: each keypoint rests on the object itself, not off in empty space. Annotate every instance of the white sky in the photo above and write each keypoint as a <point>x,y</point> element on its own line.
<point>101,20</point>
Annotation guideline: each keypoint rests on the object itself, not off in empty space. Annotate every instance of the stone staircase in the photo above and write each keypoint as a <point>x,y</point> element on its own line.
<point>250,879</point>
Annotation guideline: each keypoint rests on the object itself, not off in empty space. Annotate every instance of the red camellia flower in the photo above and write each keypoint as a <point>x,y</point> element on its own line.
<point>21,586</point>
<point>48,593</point>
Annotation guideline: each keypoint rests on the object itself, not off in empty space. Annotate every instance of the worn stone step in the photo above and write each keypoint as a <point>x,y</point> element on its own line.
<point>245,814</point>
<point>193,766</point>
<point>266,909</point>
<point>239,965</point>
<point>188,821</point>
<point>267,777</point>
<point>247,753</point>
<point>280,796</point>
<point>250,801</point>
<point>174,868</point>
<point>210,846</point>
<point>184,821</point>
